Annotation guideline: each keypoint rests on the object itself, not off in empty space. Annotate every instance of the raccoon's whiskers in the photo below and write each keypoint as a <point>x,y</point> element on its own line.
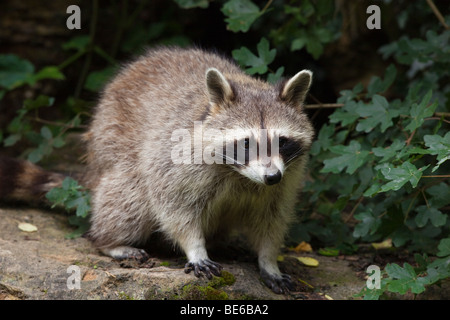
<point>297,153</point>
<point>232,160</point>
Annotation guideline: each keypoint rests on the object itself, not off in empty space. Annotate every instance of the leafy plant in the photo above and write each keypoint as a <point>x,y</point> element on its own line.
<point>72,196</point>
<point>379,166</point>
<point>397,279</point>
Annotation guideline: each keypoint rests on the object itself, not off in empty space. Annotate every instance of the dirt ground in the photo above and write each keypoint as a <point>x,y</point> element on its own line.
<point>39,265</point>
<point>34,265</point>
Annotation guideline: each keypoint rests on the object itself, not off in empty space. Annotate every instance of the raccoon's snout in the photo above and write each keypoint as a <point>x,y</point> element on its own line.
<point>271,179</point>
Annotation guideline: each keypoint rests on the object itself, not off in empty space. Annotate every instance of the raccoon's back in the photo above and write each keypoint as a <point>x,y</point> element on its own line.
<point>162,91</point>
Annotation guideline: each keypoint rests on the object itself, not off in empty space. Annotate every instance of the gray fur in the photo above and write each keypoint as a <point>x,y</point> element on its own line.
<point>137,189</point>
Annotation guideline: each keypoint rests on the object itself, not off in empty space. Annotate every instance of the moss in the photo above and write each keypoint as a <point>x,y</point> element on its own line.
<point>225,279</point>
<point>215,294</point>
<point>228,278</point>
<point>211,291</point>
<point>164,264</point>
<point>197,292</point>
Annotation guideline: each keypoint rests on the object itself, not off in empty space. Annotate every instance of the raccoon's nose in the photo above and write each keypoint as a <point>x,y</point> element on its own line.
<point>271,179</point>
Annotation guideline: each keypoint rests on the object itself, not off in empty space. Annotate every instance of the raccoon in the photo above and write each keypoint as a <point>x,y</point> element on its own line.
<point>145,179</point>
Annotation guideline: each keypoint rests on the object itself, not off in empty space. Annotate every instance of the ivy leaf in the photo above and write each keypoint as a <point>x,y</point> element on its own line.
<point>389,152</point>
<point>69,184</point>
<point>421,111</point>
<point>378,112</point>
<point>56,196</point>
<point>50,72</point>
<point>97,79</point>
<point>275,77</point>
<point>377,85</point>
<point>439,146</point>
<point>14,71</point>
<point>437,218</point>
<point>444,248</point>
<point>401,175</point>
<point>257,64</point>
<point>46,133</point>
<point>240,14</point>
<point>12,139</point>
<point>40,101</point>
<point>351,157</point>
<point>347,114</point>
<point>405,279</point>
<point>324,139</point>
<point>369,224</point>
<point>439,195</point>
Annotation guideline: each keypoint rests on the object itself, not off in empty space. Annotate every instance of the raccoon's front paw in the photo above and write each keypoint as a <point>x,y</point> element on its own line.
<point>278,283</point>
<point>205,266</point>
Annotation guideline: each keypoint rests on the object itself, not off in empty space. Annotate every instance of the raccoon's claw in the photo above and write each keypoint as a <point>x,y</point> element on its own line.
<point>205,266</point>
<point>280,284</point>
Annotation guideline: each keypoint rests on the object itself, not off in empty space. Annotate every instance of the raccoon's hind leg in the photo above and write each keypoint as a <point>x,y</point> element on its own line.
<point>121,217</point>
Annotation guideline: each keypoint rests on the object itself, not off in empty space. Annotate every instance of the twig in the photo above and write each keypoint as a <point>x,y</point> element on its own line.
<point>438,176</point>
<point>437,118</point>
<point>324,105</point>
<point>354,209</point>
<point>437,13</point>
<point>266,6</point>
<point>87,62</point>
<point>442,114</point>
<point>408,141</point>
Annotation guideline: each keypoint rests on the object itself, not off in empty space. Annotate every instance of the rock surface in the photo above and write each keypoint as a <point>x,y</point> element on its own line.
<point>37,265</point>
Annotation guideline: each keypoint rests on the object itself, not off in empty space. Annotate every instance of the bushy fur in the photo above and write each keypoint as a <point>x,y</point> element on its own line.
<point>136,187</point>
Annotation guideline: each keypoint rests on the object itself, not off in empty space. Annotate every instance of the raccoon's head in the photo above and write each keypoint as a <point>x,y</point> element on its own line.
<point>266,129</point>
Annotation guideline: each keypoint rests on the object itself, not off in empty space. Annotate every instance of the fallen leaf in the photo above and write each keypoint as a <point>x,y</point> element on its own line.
<point>303,247</point>
<point>386,244</point>
<point>27,227</point>
<point>305,283</point>
<point>329,252</point>
<point>307,261</point>
<point>280,258</point>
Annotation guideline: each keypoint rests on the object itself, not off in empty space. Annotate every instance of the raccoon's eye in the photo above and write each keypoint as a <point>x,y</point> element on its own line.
<point>282,141</point>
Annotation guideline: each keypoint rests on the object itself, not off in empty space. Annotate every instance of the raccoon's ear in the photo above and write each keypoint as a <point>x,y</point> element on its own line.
<point>219,89</point>
<point>295,89</point>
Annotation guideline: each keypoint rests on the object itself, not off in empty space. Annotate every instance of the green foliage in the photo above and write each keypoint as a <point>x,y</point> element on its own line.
<point>397,279</point>
<point>16,72</point>
<point>379,166</point>
<point>257,64</point>
<point>240,14</point>
<point>72,196</point>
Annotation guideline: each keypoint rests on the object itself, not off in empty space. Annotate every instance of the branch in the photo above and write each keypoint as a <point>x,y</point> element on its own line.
<point>437,13</point>
<point>324,105</point>
<point>438,176</point>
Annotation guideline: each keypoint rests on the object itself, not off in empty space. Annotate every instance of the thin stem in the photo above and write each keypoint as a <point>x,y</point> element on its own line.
<point>437,13</point>
<point>438,176</point>
<point>266,6</point>
<point>408,141</point>
<point>87,62</point>
<point>354,209</point>
<point>437,118</point>
<point>324,105</point>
